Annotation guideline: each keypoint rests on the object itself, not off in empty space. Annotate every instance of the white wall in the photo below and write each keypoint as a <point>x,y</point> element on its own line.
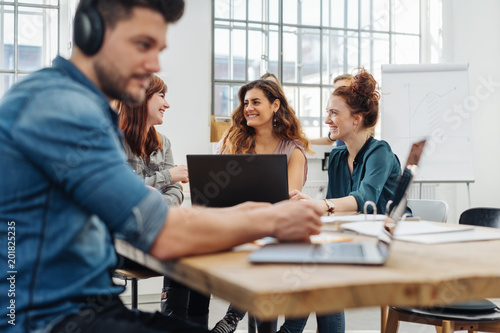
<point>470,34</point>
<point>187,70</point>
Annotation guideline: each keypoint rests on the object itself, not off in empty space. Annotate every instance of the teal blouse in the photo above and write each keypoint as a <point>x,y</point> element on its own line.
<point>375,173</point>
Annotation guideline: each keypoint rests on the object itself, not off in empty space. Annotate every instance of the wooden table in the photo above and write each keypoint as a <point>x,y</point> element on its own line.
<point>415,274</point>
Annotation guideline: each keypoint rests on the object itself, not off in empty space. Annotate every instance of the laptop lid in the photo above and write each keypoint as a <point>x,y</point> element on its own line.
<point>363,252</point>
<point>228,180</point>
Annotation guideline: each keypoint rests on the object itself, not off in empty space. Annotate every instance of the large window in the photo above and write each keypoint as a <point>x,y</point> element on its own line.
<point>29,38</point>
<point>307,43</point>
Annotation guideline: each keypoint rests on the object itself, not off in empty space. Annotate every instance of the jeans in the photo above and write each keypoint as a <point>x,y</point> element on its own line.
<point>115,317</point>
<point>185,303</point>
<point>332,323</point>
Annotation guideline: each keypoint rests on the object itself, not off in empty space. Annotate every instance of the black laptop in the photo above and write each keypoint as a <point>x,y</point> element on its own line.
<point>227,180</point>
<point>359,252</point>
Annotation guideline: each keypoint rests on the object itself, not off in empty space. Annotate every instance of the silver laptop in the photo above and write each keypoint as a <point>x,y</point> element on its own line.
<point>362,252</point>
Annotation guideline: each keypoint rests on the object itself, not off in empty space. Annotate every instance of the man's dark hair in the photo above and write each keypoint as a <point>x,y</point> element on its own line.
<point>113,11</point>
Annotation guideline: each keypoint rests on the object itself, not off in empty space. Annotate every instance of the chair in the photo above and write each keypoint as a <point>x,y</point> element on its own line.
<point>429,210</point>
<point>481,315</point>
<point>131,271</point>
<point>425,209</point>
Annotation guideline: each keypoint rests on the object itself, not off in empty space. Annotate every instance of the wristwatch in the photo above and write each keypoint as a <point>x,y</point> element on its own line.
<point>330,205</point>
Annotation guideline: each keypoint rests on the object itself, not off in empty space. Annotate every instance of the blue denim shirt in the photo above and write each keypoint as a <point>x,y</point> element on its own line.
<point>65,192</point>
<point>375,173</point>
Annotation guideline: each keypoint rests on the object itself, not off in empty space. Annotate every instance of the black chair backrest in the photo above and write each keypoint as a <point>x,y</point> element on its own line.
<point>484,217</point>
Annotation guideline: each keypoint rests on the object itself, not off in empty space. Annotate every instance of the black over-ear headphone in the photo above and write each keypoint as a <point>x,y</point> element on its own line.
<point>88,28</point>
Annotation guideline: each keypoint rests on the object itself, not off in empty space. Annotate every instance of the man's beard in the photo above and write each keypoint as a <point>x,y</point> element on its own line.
<point>114,85</point>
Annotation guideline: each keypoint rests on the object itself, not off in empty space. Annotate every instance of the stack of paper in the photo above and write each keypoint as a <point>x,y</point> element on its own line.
<point>425,232</point>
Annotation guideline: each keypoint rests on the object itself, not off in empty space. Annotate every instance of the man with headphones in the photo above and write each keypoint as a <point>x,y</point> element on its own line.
<point>66,190</point>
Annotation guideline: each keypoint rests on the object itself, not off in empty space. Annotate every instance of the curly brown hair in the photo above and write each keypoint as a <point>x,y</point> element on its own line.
<point>240,138</point>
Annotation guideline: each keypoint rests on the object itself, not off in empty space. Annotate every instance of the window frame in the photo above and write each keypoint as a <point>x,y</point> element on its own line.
<point>323,32</point>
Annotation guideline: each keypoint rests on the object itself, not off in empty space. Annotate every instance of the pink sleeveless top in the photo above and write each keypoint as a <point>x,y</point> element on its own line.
<point>287,147</point>
<point>284,147</point>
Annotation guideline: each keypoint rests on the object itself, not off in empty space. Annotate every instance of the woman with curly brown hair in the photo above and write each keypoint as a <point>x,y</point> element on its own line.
<point>264,123</point>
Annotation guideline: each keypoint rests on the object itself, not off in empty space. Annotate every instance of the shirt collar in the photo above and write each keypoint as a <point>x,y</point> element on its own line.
<point>73,72</point>
<point>363,149</point>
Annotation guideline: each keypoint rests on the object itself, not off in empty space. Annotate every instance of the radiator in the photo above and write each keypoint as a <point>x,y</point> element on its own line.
<point>423,191</point>
<point>417,190</point>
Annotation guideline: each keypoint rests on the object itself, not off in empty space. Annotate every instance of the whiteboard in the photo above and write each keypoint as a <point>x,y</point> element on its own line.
<point>433,101</point>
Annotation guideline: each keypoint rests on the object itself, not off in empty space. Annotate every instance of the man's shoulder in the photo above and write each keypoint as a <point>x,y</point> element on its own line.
<point>49,79</point>
<point>51,90</point>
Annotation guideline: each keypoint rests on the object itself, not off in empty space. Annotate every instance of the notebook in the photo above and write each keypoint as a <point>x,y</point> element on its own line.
<point>358,252</point>
<point>227,180</point>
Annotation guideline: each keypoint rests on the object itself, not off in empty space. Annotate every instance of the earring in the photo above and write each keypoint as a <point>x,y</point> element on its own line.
<point>274,119</point>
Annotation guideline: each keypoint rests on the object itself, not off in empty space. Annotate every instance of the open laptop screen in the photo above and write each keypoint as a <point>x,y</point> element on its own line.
<point>227,180</point>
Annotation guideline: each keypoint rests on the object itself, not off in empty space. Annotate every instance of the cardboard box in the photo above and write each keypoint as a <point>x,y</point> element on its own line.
<point>218,125</point>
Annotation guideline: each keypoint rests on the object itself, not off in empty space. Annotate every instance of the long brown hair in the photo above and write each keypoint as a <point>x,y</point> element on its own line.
<point>133,122</point>
<point>361,97</point>
<point>240,138</point>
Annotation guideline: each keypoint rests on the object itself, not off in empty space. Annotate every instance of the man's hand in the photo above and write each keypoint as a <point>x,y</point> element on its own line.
<point>296,220</point>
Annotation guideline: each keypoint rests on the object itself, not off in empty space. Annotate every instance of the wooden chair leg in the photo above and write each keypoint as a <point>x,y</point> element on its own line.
<point>134,293</point>
<point>438,329</point>
<point>448,326</point>
<point>383,318</point>
<point>251,324</point>
<point>392,323</point>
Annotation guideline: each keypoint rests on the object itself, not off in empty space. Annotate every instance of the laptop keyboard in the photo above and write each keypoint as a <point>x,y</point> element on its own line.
<point>350,250</point>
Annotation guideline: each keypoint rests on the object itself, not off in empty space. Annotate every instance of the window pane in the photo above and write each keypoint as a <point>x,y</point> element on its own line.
<point>225,99</point>
<point>256,52</point>
<point>291,94</point>
<point>374,51</point>
<point>7,48</point>
<point>255,11</point>
<point>38,37</point>
<point>310,13</point>
<point>406,49</point>
<point>221,9</point>
<point>273,62</point>
<point>352,14</point>
<point>41,2</point>
<point>309,65</point>
<point>221,54</point>
<point>238,51</point>
<point>406,14</point>
<point>221,100</point>
<point>381,55</point>
<point>239,9</point>
<point>235,101</point>
<point>309,111</point>
<point>273,11</point>
<point>333,13</point>
<point>375,15</point>
<point>333,55</point>
<point>325,95</point>
<point>6,81</point>
<point>352,52</point>
<point>290,12</point>
<point>290,60</point>
<point>261,45</point>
